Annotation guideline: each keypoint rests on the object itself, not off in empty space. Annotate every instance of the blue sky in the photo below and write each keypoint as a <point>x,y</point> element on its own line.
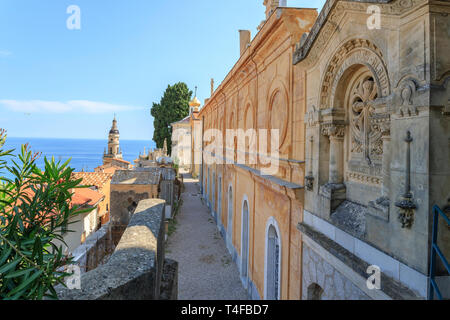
<point>56,82</point>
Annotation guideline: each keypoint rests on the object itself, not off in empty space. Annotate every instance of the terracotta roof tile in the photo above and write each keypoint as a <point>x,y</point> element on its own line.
<point>96,179</point>
<point>108,168</point>
<point>120,160</point>
<point>86,196</point>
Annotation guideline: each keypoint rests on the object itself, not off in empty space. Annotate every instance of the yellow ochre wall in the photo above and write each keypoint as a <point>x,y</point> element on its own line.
<point>263,91</point>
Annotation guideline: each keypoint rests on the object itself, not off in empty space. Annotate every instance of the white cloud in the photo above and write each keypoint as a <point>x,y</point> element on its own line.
<point>80,106</point>
<point>5,53</point>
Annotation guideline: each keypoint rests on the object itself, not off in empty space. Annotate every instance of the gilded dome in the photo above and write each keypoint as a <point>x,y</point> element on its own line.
<point>194,102</point>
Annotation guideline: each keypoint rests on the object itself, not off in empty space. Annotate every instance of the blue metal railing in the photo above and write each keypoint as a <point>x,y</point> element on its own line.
<point>433,287</point>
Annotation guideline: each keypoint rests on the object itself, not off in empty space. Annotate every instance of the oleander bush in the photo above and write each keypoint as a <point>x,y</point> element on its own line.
<point>35,208</point>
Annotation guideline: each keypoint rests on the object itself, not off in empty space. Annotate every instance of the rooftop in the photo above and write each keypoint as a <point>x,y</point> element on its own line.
<point>126,177</point>
<point>85,196</point>
<point>96,179</point>
<point>167,173</point>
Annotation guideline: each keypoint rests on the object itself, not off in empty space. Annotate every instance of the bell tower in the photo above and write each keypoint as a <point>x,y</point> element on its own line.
<point>113,151</point>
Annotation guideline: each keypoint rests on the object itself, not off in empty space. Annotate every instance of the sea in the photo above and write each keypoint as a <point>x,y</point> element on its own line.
<point>84,154</point>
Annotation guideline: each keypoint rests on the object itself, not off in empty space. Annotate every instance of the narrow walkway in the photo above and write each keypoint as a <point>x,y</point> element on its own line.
<point>206,271</point>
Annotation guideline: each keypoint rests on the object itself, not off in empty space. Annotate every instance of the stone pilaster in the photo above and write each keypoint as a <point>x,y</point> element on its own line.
<point>334,192</point>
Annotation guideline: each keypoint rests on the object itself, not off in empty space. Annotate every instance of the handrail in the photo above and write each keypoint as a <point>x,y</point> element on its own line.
<point>433,287</point>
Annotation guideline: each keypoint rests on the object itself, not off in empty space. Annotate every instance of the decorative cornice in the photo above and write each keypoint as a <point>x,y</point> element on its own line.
<point>333,10</point>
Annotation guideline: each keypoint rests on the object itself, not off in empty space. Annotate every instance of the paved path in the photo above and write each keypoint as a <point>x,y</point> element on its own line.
<point>206,270</point>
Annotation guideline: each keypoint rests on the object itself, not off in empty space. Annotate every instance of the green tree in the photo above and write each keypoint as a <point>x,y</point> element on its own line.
<point>173,107</point>
<point>35,208</point>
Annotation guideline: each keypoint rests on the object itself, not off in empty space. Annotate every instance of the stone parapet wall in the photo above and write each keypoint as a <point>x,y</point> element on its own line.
<point>94,251</point>
<point>135,269</point>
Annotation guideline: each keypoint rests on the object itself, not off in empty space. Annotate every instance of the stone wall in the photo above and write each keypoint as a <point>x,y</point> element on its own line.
<point>137,269</point>
<point>123,204</point>
<point>95,250</point>
<point>317,273</point>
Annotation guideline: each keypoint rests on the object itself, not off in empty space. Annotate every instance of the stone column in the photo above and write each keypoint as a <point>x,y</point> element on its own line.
<point>336,160</point>
<point>336,169</point>
<point>333,193</point>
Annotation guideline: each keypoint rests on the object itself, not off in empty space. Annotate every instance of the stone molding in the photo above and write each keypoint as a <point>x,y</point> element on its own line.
<point>330,15</point>
<point>366,251</point>
<point>356,51</point>
<point>353,267</point>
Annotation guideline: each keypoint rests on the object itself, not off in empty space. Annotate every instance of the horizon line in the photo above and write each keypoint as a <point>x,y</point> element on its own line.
<point>63,138</point>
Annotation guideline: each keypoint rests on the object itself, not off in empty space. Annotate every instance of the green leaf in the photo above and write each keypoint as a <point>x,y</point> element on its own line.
<point>19,273</point>
<point>26,282</point>
<point>5,256</point>
<point>10,265</point>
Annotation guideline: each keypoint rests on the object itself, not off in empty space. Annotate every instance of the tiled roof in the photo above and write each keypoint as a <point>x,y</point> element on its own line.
<point>120,160</point>
<point>80,197</point>
<point>112,169</point>
<point>136,177</point>
<point>108,168</point>
<point>185,120</point>
<point>96,179</point>
<point>85,196</point>
<point>167,173</point>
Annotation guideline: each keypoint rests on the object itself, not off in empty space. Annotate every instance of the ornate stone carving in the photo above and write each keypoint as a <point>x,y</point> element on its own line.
<point>362,129</point>
<point>328,21</point>
<point>362,178</point>
<point>357,51</point>
<point>407,93</point>
<point>406,205</point>
<point>333,130</point>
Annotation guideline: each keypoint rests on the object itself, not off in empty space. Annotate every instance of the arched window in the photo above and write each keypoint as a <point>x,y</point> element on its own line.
<point>273,261</point>
<point>245,241</point>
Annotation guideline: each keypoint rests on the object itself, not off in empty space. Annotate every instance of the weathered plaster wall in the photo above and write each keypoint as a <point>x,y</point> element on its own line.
<point>259,93</point>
